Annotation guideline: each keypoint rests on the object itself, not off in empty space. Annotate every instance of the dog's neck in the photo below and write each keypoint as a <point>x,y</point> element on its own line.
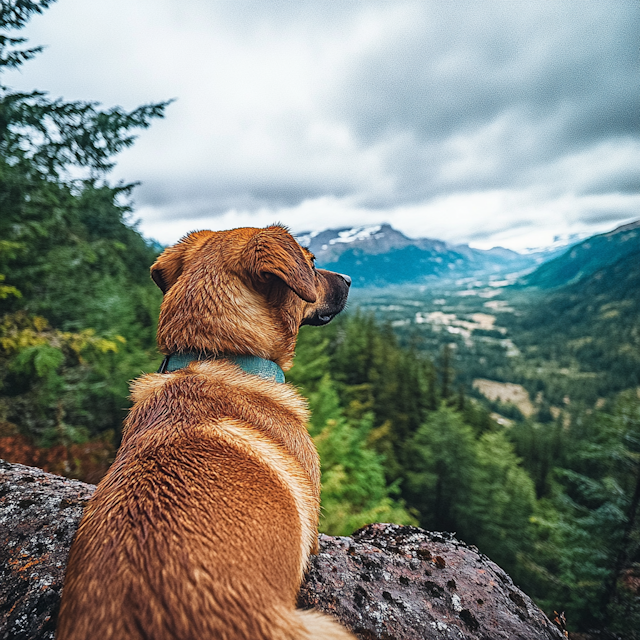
<point>253,365</point>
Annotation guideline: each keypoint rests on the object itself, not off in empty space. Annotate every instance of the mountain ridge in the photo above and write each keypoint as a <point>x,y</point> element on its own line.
<point>586,258</point>
<point>380,255</point>
<point>595,320</point>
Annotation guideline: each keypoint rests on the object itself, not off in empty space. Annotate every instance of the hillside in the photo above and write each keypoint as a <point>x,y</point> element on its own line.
<point>594,321</point>
<point>587,257</point>
<point>380,255</point>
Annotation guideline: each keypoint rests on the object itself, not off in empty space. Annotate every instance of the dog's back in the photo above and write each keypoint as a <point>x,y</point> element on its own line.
<point>162,546</point>
<point>204,523</point>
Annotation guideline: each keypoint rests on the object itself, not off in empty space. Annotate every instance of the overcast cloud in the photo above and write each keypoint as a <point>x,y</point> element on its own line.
<point>495,122</point>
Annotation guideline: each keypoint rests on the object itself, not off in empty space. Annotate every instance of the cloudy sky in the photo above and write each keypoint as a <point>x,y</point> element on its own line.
<point>500,122</point>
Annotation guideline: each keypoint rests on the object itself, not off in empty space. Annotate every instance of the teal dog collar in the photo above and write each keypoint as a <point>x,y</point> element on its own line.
<point>249,364</point>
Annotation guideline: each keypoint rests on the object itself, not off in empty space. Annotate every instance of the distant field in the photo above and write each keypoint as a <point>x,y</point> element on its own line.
<point>507,393</point>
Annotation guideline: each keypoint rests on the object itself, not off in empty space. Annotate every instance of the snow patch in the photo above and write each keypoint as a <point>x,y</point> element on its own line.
<point>305,239</point>
<point>357,233</point>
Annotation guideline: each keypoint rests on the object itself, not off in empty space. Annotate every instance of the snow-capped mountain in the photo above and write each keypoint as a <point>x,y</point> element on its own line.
<point>380,254</point>
<point>345,236</point>
<point>329,245</point>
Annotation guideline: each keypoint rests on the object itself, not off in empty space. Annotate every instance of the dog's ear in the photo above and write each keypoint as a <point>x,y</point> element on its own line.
<point>166,270</point>
<point>274,251</point>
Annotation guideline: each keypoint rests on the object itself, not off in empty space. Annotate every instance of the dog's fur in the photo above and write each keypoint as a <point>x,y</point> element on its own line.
<point>203,526</point>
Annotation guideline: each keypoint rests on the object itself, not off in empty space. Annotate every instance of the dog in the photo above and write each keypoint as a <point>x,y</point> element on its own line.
<point>204,524</point>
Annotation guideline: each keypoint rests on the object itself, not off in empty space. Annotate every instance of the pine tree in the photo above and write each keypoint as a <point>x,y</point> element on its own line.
<point>78,314</point>
<point>440,460</point>
<point>496,516</point>
<point>446,372</point>
<point>355,491</point>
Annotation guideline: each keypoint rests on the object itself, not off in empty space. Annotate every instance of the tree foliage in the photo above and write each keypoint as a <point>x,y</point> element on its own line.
<point>555,503</point>
<point>354,487</point>
<point>78,313</point>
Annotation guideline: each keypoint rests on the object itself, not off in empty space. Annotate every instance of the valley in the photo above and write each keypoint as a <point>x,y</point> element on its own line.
<point>539,371</point>
<point>492,352</point>
<point>470,323</point>
<point>567,333</point>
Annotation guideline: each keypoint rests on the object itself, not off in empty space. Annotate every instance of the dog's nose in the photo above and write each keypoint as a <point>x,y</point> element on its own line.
<point>346,278</point>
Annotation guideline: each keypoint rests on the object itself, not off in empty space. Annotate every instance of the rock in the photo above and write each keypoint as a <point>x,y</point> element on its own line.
<point>386,582</point>
<point>393,582</point>
<point>39,514</point>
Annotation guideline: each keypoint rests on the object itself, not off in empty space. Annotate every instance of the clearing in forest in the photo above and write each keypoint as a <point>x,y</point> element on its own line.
<point>506,392</point>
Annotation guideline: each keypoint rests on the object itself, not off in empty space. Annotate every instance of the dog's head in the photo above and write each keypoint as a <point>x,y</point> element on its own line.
<point>244,291</point>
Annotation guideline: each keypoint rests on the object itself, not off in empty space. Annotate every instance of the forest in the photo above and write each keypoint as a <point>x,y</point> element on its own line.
<point>402,435</point>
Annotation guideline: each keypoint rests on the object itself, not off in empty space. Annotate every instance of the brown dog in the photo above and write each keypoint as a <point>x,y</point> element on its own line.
<point>203,526</point>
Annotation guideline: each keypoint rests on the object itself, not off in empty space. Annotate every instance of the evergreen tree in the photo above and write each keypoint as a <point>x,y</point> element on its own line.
<point>587,534</point>
<point>78,313</point>
<point>439,473</point>
<point>446,372</point>
<point>497,514</point>
<point>354,488</point>
<point>541,449</point>
<point>375,375</point>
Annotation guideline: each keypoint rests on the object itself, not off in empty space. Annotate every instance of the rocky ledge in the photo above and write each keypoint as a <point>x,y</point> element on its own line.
<point>386,582</point>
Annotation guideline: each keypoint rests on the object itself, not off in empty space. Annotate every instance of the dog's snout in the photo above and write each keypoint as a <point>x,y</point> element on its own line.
<point>346,278</point>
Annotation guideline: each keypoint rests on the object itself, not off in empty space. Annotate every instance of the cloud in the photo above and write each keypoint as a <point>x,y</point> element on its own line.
<point>482,122</point>
<point>515,219</point>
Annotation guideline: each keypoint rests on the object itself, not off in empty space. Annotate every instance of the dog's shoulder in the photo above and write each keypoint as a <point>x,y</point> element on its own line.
<point>215,393</point>
<point>219,388</point>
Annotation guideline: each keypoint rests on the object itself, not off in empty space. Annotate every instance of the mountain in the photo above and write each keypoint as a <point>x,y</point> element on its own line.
<point>380,255</point>
<point>587,257</point>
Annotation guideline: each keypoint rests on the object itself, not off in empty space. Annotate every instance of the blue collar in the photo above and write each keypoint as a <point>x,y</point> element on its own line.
<point>249,364</point>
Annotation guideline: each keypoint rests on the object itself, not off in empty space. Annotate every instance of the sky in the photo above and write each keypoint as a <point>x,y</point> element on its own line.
<point>500,122</point>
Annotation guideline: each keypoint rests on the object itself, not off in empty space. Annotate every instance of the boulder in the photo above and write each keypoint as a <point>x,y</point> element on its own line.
<point>395,582</point>
<point>385,582</point>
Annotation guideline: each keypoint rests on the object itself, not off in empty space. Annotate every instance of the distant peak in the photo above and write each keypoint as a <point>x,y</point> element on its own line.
<point>357,233</point>
<point>346,235</point>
